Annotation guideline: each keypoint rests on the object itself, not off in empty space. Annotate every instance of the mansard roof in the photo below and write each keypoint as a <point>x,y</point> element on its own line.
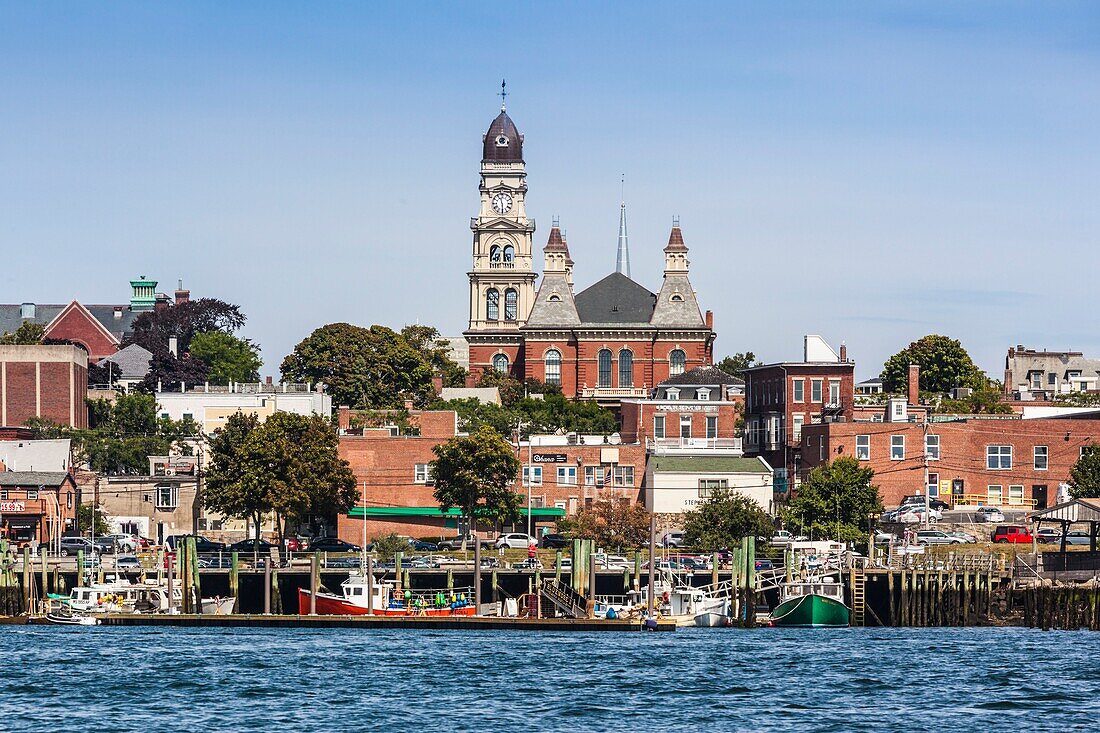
<point>554,305</point>
<point>615,300</point>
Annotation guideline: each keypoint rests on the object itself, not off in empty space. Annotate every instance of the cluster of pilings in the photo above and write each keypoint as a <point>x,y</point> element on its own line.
<point>1070,607</point>
<point>940,598</point>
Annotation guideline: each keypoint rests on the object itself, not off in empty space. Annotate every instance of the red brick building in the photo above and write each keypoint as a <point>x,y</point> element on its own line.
<point>997,460</point>
<point>615,339</point>
<point>699,408</point>
<point>36,506</point>
<point>49,382</point>
<point>391,465</point>
<point>781,399</point>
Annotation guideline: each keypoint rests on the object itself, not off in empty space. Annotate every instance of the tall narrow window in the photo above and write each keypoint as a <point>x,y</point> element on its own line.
<point>897,447</point>
<point>712,426</point>
<point>494,254</point>
<point>658,426</point>
<point>626,369</point>
<point>685,426</point>
<point>932,447</point>
<point>511,300</point>
<point>815,390</point>
<point>863,447</point>
<point>553,367</point>
<point>509,254</point>
<point>676,361</point>
<point>603,359</point>
<point>492,304</point>
<point>1041,455</point>
<point>799,389</point>
<point>500,363</point>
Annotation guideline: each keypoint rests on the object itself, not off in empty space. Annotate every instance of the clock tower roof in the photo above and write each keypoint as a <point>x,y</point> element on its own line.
<point>502,142</point>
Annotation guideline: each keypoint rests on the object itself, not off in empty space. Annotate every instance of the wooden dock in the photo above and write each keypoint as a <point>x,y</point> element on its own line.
<point>463,623</point>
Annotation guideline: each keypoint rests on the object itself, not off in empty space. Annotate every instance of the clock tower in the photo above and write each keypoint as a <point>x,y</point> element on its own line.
<point>502,280</point>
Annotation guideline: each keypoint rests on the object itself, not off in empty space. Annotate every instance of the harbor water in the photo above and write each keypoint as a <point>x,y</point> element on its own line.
<point>139,679</point>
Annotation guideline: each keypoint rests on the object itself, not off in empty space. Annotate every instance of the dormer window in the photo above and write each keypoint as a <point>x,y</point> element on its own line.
<point>672,394</point>
<point>702,394</point>
<point>502,141</point>
<point>676,298</point>
<point>554,298</point>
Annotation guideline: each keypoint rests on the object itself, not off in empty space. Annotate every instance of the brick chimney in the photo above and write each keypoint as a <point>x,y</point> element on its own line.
<point>182,296</point>
<point>914,384</point>
<point>471,380</point>
<point>710,320</point>
<point>409,405</point>
<point>343,413</point>
<point>437,384</point>
<point>843,352</point>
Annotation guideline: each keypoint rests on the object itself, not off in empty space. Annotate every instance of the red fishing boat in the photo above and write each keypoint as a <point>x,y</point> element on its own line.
<point>382,598</point>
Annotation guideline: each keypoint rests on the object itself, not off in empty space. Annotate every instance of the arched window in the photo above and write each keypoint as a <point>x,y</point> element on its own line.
<point>676,361</point>
<point>500,363</point>
<point>553,367</point>
<point>626,369</point>
<point>511,299</point>
<point>603,359</point>
<point>492,304</point>
<point>494,254</point>
<point>509,254</point>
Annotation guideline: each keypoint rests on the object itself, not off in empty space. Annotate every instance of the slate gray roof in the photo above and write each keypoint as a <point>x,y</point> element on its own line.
<point>676,303</point>
<point>561,311</point>
<point>703,376</point>
<point>615,300</point>
<point>32,478</point>
<point>132,362</point>
<point>11,318</point>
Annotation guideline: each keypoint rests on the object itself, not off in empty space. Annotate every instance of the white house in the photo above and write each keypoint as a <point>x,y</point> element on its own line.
<point>210,406</point>
<point>680,483</point>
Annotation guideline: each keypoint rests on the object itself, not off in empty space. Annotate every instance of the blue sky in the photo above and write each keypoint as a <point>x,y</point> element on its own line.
<point>871,172</point>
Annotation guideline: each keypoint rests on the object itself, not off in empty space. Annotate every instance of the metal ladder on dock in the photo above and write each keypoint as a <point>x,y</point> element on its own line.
<point>859,597</point>
<point>568,601</point>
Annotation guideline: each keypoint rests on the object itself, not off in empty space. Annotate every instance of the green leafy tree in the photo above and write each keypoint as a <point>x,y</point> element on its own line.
<point>835,501</point>
<point>476,473</point>
<point>511,389</point>
<point>978,402</point>
<point>736,363</point>
<point>288,465</point>
<point>228,358</point>
<point>944,365</point>
<point>611,523</point>
<point>84,519</point>
<point>390,544</point>
<point>1084,476</point>
<point>28,334</point>
<point>433,348</point>
<point>364,368</point>
<point>554,413</point>
<point>152,329</point>
<point>723,519</point>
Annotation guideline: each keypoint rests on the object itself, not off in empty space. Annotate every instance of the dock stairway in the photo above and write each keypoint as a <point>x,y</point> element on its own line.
<point>859,597</point>
<point>571,603</point>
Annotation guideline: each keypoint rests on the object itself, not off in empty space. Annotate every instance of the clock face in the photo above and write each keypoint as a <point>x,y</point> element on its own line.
<point>502,203</point>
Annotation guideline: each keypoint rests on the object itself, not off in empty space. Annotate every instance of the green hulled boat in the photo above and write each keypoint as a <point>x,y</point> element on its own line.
<point>814,603</point>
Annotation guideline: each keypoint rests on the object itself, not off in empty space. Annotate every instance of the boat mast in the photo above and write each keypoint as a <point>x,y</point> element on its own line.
<point>363,548</point>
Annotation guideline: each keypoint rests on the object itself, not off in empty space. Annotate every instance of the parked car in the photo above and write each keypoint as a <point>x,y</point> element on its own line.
<point>72,545</point>
<point>672,539</point>
<point>1077,537</point>
<point>423,545</point>
<point>765,565</point>
<point>933,502</point>
<point>936,537</point>
<point>202,544</point>
<point>332,544</point>
<point>515,540</point>
<point>884,538</point>
<point>252,547</point>
<point>915,514</point>
<point>297,544</point>
<point>488,563</point>
<point>965,537</point>
<point>1049,535</point>
<point>989,514</point>
<point>127,563</point>
<point>555,541</point>
<point>219,561</point>
<point>125,542</point>
<point>455,543</point>
<point>105,545</point>
<point>1015,533</point>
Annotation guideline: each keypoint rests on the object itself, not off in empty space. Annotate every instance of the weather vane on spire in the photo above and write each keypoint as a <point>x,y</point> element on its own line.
<point>503,94</point>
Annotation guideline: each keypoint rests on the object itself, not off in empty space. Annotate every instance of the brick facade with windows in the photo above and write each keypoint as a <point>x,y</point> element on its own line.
<point>999,461</point>
<point>49,382</point>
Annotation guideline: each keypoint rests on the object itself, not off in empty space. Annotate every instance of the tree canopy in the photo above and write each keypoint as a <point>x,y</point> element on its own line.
<point>365,368</point>
<point>736,363</point>
<point>835,501</point>
<point>554,413</point>
<point>433,349</point>
<point>288,465</point>
<point>980,401</point>
<point>476,473</point>
<point>1084,476</point>
<point>723,519</point>
<point>29,333</point>
<point>612,523</point>
<point>944,365</point>
<point>227,357</point>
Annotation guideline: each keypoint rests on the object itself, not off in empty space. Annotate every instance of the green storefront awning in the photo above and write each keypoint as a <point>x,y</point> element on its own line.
<point>434,511</point>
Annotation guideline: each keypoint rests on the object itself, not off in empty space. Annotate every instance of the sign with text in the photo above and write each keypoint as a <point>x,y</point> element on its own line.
<point>550,458</point>
<point>13,506</point>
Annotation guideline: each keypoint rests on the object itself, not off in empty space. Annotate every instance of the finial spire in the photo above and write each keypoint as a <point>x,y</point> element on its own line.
<point>622,258</point>
<point>503,94</point>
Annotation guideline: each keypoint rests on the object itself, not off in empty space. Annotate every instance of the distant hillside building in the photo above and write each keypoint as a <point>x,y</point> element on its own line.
<point>49,382</point>
<point>1043,375</point>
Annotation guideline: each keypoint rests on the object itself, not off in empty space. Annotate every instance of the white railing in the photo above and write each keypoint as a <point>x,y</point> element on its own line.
<point>614,392</point>
<point>659,446</point>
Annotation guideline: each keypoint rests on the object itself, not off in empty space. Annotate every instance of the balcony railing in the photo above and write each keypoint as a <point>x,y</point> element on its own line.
<point>614,392</point>
<point>673,446</point>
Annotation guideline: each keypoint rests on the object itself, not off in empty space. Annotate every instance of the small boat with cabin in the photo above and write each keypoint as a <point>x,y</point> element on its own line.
<point>362,595</point>
<point>811,602</point>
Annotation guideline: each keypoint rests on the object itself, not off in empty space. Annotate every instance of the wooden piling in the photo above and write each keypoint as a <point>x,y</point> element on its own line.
<point>397,557</point>
<point>637,570</point>
<point>370,584</point>
<point>196,580</point>
<point>314,581</point>
<point>235,580</point>
<point>45,577</point>
<point>892,618</point>
<point>267,588</point>
<point>28,581</point>
<point>477,576</point>
<point>557,566</point>
<point>493,585</point>
<point>714,568</point>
